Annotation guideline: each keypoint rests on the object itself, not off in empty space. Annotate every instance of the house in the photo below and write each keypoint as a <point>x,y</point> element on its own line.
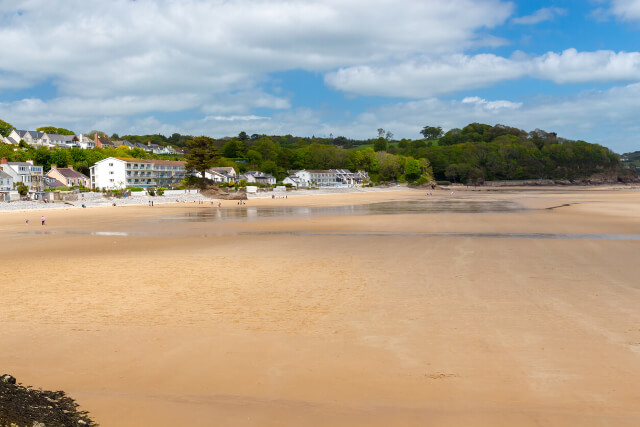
<point>25,172</point>
<point>227,171</point>
<point>345,177</point>
<point>69,177</point>
<point>128,144</point>
<point>215,176</point>
<point>258,177</point>
<point>116,172</point>
<point>52,182</point>
<point>102,141</point>
<point>312,178</point>
<point>6,181</point>
<point>29,136</point>
<point>85,142</point>
<point>55,140</point>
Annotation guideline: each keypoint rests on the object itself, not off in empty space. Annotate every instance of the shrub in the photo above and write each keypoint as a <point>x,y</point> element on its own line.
<point>151,191</point>
<point>160,191</point>
<point>135,189</point>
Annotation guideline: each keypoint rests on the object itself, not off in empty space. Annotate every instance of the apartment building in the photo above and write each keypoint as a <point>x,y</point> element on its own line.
<point>117,172</point>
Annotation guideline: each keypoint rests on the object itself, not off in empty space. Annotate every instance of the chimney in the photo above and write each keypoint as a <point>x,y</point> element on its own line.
<point>54,166</point>
<point>148,143</point>
<point>30,162</point>
<point>97,141</point>
<point>70,167</point>
<point>4,161</point>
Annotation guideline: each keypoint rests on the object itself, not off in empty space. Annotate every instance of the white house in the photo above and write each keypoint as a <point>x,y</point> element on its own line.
<point>227,171</point>
<point>6,181</point>
<point>29,136</point>
<point>116,172</point>
<point>215,176</point>
<point>25,172</point>
<point>55,140</point>
<point>258,177</point>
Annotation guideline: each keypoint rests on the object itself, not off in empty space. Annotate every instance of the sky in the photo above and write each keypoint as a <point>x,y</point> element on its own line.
<point>323,68</point>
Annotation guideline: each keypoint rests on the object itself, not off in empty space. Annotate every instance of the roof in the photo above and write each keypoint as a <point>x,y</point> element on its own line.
<point>319,171</point>
<point>4,175</point>
<point>33,133</point>
<point>153,161</point>
<point>223,169</point>
<point>57,137</point>
<point>70,173</point>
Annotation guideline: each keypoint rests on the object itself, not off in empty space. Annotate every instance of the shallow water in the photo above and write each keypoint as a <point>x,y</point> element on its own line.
<point>386,208</point>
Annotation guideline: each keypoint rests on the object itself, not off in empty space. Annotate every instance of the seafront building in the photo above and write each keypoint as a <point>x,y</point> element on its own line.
<point>116,172</point>
<point>25,172</point>
<point>326,178</point>
<point>69,177</point>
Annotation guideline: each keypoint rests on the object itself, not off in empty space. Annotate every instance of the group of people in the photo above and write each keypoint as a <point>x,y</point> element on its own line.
<point>42,220</point>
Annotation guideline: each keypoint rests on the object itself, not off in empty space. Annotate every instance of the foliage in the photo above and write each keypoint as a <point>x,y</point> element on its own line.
<point>202,154</point>
<point>431,132</point>
<point>22,189</point>
<point>5,128</point>
<point>160,191</point>
<point>55,130</point>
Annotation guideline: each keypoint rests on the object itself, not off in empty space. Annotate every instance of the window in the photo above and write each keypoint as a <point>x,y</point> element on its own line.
<point>110,164</point>
<point>111,180</point>
<point>111,172</point>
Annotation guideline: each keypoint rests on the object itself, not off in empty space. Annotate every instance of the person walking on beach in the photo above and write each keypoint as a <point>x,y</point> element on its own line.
<point>42,219</point>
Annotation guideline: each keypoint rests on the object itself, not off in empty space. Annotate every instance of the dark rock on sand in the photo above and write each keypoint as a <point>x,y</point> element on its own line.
<point>27,407</point>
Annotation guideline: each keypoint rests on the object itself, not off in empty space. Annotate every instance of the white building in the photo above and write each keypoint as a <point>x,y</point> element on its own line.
<point>25,172</point>
<point>29,136</point>
<point>6,181</point>
<point>258,177</point>
<point>116,172</point>
<point>215,176</point>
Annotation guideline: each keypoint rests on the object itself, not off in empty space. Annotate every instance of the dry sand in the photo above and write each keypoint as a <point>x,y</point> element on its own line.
<point>149,319</point>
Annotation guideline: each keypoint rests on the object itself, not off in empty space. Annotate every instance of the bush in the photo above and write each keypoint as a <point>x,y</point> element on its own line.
<point>151,191</point>
<point>135,189</point>
<point>160,191</point>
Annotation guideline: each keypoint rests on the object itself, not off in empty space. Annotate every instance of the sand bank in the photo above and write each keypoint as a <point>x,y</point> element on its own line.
<point>175,315</point>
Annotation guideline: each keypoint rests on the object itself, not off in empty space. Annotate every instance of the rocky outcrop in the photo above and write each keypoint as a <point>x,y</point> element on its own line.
<point>27,407</point>
<point>223,193</point>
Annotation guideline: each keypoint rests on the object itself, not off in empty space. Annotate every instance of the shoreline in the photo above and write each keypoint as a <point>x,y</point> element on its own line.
<point>179,197</point>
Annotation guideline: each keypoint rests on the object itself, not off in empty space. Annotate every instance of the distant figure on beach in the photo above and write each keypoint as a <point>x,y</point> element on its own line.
<point>27,222</point>
<point>219,204</point>
<point>42,219</point>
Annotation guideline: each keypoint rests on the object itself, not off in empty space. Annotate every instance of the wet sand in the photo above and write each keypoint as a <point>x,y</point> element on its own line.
<point>178,315</point>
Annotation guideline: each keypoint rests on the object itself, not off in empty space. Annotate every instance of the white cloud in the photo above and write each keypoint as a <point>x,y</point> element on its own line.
<point>540,15</point>
<point>448,74</point>
<point>117,47</point>
<point>627,10</point>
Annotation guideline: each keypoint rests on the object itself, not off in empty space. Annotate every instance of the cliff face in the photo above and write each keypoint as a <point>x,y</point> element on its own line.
<point>27,407</point>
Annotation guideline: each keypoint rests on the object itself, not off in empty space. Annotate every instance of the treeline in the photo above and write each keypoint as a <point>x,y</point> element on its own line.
<point>473,154</point>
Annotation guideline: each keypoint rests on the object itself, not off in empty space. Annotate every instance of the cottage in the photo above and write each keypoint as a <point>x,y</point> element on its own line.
<point>69,177</point>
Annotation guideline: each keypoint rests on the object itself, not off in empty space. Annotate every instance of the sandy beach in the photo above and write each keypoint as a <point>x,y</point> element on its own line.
<point>481,308</point>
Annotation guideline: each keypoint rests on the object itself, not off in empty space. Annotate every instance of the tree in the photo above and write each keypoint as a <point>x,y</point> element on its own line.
<point>431,132</point>
<point>22,189</point>
<point>242,136</point>
<point>202,155</point>
<point>5,128</point>
<point>381,133</point>
<point>389,135</point>
<point>412,169</point>
<point>54,130</point>
<point>380,144</point>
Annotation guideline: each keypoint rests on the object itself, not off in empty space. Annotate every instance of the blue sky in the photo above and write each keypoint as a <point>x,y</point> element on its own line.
<point>340,67</point>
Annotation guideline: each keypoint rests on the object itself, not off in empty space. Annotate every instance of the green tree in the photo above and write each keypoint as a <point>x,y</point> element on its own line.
<point>412,169</point>
<point>380,144</point>
<point>5,128</point>
<point>431,132</point>
<point>55,130</point>
<point>22,189</point>
<point>202,155</point>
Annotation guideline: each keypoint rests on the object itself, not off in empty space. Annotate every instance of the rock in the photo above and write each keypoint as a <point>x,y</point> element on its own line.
<point>8,379</point>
